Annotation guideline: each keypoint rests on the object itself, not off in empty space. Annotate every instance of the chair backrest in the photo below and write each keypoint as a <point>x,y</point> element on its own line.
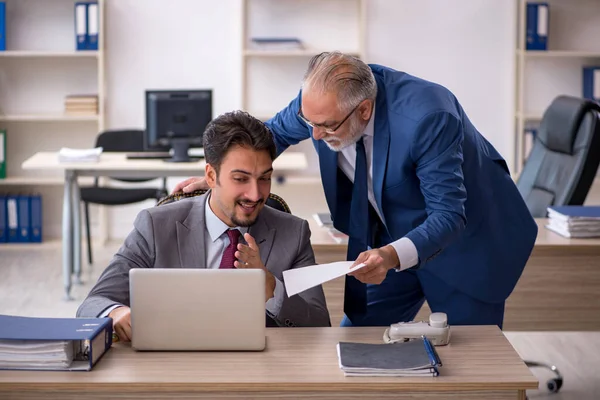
<point>273,200</point>
<point>564,159</point>
<point>123,140</point>
<point>126,140</point>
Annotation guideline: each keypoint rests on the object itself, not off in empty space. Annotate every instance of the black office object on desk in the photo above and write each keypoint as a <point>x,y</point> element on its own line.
<point>176,119</point>
<point>69,344</point>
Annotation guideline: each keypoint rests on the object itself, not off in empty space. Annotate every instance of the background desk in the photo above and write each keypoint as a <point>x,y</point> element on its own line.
<point>559,288</point>
<point>117,165</point>
<point>299,363</point>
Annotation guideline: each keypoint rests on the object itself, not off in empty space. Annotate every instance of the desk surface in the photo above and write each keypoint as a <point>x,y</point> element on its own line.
<point>545,238</point>
<point>119,162</point>
<point>296,359</point>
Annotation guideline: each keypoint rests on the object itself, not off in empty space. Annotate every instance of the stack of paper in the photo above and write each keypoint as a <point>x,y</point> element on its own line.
<point>574,221</point>
<point>413,358</point>
<point>298,280</point>
<point>42,354</point>
<point>79,155</point>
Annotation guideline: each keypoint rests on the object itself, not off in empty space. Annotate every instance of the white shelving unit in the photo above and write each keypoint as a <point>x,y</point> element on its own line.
<point>39,68</point>
<point>271,79</point>
<point>573,30</point>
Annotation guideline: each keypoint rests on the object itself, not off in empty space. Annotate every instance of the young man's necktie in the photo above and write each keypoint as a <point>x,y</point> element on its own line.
<point>229,253</point>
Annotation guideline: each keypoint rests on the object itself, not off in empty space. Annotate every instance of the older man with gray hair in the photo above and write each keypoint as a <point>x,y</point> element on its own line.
<point>427,201</point>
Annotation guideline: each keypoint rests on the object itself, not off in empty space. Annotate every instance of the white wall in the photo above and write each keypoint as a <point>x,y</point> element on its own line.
<point>187,44</point>
<point>466,45</point>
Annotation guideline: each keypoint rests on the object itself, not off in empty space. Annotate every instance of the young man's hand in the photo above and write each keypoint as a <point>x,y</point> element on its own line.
<point>248,256</point>
<point>121,317</point>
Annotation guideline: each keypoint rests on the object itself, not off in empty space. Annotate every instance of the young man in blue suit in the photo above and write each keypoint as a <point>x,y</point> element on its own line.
<point>433,213</point>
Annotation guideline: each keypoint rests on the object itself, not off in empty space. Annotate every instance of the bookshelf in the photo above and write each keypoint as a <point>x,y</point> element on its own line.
<point>272,78</point>
<point>38,69</point>
<point>541,75</point>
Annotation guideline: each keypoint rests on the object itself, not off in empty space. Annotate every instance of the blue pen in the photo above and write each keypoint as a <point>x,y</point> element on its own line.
<point>430,352</point>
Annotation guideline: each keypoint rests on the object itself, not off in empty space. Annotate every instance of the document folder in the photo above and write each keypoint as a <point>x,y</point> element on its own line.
<point>92,26</point>
<point>68,344</point>
<point>537,21</point>
<point>81,26</point>
<point>2,25</point>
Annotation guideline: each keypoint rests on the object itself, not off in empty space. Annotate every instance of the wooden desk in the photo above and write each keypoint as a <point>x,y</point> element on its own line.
<point>117,165</point>
<point>299,363</point>
<point>559,288</point>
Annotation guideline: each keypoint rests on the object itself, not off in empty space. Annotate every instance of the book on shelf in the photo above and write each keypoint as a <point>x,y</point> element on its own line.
<point>416,357</point>
<point>276,43</point>
<point>81,104</point>
<point>71,344</point>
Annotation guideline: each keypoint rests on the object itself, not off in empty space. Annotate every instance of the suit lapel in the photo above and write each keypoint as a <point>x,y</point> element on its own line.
<point>264,236</point>
<point>190,236</point>
<point>381,144</point>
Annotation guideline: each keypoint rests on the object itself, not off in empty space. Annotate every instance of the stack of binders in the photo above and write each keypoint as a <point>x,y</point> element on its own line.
<point>87,25</point>
<point>20,218</point>
<point>574,221</point>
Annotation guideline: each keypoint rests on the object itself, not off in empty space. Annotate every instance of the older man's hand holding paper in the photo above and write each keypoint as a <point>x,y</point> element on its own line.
<point>300,279</point>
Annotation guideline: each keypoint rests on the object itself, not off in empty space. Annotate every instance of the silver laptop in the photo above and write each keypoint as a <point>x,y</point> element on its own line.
<point>197,309</point>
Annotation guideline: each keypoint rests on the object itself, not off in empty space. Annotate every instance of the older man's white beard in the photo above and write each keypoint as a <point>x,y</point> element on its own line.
<point>356,131</point>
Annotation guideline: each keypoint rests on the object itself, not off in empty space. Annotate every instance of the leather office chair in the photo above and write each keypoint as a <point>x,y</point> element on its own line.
<point>273,200</point>
<point>564,159</point>
<point>561,167</point>
<point>118,141</point>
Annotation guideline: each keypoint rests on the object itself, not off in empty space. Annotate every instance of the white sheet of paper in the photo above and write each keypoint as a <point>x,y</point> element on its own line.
<point>300,279</point>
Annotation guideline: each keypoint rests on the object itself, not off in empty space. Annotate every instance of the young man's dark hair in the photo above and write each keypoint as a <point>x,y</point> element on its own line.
<point>235,128</point>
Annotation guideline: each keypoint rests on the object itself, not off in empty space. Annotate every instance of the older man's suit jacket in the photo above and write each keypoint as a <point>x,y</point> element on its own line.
<point>172,236</point>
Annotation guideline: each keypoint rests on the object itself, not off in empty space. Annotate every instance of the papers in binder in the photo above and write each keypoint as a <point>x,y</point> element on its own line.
<point>40,354</point>
<point>300,279</point>
<point>69,344</point>
<point>79,155</point>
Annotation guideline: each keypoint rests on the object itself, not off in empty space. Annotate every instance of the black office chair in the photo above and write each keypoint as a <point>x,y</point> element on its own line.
<point>565,156</point>
<point>561,167</point>
<point>273,200</point>
<point>118,141</point>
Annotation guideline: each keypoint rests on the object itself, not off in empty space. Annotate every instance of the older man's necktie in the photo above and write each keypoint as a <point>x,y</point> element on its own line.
<point>355,294</point>
<point>229,253</point>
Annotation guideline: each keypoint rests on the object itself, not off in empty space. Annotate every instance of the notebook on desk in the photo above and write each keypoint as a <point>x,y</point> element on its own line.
<point>416,357</point>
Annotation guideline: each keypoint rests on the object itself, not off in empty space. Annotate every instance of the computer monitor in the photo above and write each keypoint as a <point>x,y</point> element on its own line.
<point>176,119</point>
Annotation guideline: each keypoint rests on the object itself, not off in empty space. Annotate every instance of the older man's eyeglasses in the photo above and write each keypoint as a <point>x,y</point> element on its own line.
<point>328,130</point>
